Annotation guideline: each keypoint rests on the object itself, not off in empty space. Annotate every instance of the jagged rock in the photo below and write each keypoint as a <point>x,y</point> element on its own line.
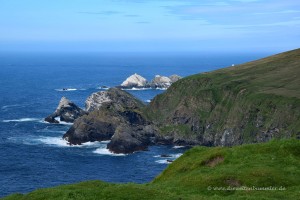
<point>96,100</point>
<point>67,111</point>
<point>88,130</point>
<point>134,80</point>
<point>128,139</point>
<point>105,116</point>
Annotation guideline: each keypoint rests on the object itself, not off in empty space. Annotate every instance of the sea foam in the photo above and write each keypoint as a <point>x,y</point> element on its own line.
<point>24,120</point>
<point>105,151</point>
<point>66,89</point>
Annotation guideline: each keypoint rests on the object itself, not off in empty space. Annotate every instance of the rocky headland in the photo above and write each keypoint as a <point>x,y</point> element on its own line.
<point>248,103</point>
<point>117,116</point>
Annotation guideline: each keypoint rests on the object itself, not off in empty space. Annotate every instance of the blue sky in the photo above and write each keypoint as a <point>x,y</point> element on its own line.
<point>149,25</point>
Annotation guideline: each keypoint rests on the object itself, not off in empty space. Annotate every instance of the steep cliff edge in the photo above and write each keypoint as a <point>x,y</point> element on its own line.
<point>248,103</point>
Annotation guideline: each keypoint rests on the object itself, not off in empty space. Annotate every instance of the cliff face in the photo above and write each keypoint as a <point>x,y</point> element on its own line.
<point>248,103</point>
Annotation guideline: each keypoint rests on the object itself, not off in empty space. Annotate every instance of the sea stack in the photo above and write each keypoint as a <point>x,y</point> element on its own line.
<point>67,111</point>
<point>134,80</point>
<point>161,82</point>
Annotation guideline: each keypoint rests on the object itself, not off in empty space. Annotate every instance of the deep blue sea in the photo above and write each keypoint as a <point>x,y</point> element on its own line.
<point>32,153</point>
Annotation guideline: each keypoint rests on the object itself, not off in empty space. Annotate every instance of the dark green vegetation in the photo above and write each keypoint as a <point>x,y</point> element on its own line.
<point>200,173</point>
<point>247,103</point>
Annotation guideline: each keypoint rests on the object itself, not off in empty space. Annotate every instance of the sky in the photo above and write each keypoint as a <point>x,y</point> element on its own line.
<point>150,25</point>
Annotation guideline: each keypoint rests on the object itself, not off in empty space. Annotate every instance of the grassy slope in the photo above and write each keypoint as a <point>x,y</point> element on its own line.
<point>275,163</point>
<point>266,90</point>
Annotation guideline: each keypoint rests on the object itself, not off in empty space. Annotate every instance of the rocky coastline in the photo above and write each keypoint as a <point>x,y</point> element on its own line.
<point>221,108</point>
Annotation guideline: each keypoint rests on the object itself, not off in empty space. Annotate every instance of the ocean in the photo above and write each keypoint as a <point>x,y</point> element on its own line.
<point>32,153</point>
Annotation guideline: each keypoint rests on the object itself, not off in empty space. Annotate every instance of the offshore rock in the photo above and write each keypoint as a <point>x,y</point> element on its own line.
<point>137,81</point>
<point>160,82</point>
<point>66,111</point>
<point>134,80</point>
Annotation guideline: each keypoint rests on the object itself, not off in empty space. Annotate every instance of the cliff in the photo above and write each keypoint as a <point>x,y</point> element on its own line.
<point>248,103</point>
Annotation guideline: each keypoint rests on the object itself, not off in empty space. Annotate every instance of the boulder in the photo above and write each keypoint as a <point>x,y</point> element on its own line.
<point>134,80</point>
<point>66,111</point>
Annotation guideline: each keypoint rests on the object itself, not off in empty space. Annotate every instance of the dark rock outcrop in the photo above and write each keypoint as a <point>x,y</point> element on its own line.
<point>128,139</point>
<point>116,115</point>
<point>66,111</point>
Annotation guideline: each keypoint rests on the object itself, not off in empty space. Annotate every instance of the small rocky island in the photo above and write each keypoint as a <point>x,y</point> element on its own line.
<point>137,81</point>
<point>66,111</point>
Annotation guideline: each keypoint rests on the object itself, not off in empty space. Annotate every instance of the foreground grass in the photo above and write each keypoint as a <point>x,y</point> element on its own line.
<point>203,173</point>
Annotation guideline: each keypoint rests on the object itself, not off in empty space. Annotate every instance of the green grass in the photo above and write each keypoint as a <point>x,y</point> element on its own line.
<point>235,98</point>
<point>273,164</point>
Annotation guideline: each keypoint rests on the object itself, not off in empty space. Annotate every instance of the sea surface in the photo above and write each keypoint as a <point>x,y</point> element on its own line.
<point>32,153</point>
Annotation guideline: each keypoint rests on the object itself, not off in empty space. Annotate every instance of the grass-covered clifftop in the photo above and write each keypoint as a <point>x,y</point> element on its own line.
<point>254,171</point>
<point>251,102</point>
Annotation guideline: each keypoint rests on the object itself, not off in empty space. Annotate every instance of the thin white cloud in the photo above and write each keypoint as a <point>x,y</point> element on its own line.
<point>278,12</point>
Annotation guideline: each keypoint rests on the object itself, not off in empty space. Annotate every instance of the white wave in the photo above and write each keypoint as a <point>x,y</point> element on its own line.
<point>148,88</point>
<point>59,141</point>
<point>134,88</point>
<point>11,106</point>
<point>102,88</point>
<point>66,89</point>
<point>176,155</point>
<point>56,141</point>
<point>24,120</point>
<point>161,88</point>
<point>163,162</point>
<point>51,129</point>
<point>170,156</point>
<point>105,151</point>
<point>178,147</point>
<point>62,122</point>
